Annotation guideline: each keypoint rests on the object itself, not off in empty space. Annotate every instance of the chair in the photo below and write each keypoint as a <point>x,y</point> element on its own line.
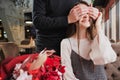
<point>25,42</point>
<point>9,49</point>
<point>113,69</point>
<point>28,45</point>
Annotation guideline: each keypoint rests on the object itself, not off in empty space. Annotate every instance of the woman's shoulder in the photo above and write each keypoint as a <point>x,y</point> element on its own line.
<point>65,41</point>
<point>65,44</point>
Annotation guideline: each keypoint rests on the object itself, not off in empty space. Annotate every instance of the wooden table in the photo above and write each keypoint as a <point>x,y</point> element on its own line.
<point>28,48</point>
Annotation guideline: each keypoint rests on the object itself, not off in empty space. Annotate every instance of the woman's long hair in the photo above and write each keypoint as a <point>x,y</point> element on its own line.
<point>75,29</point>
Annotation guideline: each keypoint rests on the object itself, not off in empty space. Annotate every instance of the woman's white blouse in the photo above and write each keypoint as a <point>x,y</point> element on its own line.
<point>93,50</point>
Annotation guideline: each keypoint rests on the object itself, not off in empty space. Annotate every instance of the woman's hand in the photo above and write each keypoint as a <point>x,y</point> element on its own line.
<point>49,52</point>
<point>98,22</point>
<point>42,57</point>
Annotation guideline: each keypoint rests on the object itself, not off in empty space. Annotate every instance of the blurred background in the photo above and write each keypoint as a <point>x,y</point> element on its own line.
<point>17,33</point>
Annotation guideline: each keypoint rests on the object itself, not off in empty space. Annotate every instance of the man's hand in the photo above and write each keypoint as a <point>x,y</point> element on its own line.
<point>75,13</point>
<point>93,12</point>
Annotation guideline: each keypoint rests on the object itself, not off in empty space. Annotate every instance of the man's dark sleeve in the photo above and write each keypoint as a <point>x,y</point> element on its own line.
<point>41,21</point>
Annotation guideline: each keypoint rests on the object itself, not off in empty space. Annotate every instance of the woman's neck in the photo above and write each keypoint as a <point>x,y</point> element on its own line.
<point>82,34</point>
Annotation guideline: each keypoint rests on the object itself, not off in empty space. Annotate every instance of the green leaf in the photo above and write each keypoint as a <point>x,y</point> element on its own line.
<point>92,1</point>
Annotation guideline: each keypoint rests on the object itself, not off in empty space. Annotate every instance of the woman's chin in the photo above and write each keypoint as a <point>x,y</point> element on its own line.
<point>86,25</point>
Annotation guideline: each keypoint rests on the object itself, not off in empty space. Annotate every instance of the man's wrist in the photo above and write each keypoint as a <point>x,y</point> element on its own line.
<point>69,21</point>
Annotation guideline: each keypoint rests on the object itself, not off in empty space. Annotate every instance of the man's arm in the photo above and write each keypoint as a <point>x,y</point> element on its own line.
<point>42,21</point>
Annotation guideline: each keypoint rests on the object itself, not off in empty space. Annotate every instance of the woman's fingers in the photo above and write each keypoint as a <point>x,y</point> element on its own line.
<point>98,22</point>
<point>50,52</point>
<point>99,19</point>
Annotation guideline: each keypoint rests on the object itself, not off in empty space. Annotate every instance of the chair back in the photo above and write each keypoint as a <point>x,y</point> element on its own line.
<point>9,49</point>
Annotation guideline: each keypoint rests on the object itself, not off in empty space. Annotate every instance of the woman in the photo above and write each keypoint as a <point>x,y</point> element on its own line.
<point>81,52</point>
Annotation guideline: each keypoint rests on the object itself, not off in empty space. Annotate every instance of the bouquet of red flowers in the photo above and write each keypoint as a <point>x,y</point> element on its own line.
<point>45,66</point>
